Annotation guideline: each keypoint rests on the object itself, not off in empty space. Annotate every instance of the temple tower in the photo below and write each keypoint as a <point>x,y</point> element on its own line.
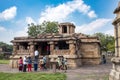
<point>115,72</point>
<point>66,28</point>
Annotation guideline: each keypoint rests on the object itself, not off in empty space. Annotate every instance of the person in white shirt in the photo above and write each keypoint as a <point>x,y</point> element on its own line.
<point>24,63</point>
<point>36,54</point>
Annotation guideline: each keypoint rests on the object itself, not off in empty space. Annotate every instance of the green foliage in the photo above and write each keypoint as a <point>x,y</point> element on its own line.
<point>33,30</point>
<point>6,47</point>
<point>106,77</point>
<point>32,76</point>
<point>107,42</point>
<point>1,56</point>
<point>45,27</point>
<point>51,27</point>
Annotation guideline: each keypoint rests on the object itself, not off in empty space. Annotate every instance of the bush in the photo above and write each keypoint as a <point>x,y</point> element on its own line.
<point>2,56</point>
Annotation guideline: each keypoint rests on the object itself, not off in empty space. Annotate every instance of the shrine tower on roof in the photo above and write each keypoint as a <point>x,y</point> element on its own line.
<point>66,28</point>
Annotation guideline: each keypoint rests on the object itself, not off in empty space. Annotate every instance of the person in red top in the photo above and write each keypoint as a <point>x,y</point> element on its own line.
<point>29,64</point>
<point>20,64</point>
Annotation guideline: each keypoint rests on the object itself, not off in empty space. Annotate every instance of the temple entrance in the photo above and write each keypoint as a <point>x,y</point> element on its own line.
<point>43,48</point>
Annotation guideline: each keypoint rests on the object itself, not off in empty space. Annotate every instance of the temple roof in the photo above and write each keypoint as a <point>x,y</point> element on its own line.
<point>118,8</point>
<point>67,23</point>
<point>57,37</point>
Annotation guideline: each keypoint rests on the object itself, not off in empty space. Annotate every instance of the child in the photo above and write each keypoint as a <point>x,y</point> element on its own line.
<point>59,63</point>
<point>65,64</point>
<point>44,62</point>
<point>41,65</point>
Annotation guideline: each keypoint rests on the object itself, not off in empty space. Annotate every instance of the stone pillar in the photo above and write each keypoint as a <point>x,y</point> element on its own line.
<point>72,47</point>
<point>60,29</point>
<point>31,48</point>
<point>73,59</point>
<point>68,29</point>
<point>14,48</point>
<point>51,47</point>
<point>116,40</point>
<point>115,72</point>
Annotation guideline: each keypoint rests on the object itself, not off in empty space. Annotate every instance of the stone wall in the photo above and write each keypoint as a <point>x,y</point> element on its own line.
<point>90,53</point>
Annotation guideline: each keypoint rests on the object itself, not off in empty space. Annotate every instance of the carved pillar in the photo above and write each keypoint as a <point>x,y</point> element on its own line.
<point>72,47</point>
<point>116,40</point>
<point>14,48</point>
<point>31,48</point>
<point>60,29</point>
<point>115,71</point>
<point>78,52</point>
<point>51,47</point>
<point>68,29</point>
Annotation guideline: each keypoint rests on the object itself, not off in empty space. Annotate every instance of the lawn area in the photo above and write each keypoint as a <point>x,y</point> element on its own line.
<point>4,61</point>
<point>32,76</point>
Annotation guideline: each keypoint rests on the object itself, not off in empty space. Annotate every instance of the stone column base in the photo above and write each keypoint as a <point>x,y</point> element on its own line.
<point>115,72</point>
<point>114,75</point>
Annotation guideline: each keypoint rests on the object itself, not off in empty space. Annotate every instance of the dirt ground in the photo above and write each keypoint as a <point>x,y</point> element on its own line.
<point>87,72</point>
<point>99,72</point>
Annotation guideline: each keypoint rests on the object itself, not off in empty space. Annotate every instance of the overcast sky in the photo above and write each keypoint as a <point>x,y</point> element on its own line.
<point>89,16</point>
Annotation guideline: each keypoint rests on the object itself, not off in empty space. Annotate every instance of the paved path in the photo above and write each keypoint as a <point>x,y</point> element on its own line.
<point>83,73</point>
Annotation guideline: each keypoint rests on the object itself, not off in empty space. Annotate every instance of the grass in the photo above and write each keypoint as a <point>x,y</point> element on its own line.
<point>4,61</point>
<point>106,77</point>
<point>32,76</point>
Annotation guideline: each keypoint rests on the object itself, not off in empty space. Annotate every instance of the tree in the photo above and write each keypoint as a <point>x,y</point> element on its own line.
<point>6,47</point>
<point>107,42</point>
<point>111,44</point>
<point>51,27</point>
<point>33,30</point>
<point>45,27</point>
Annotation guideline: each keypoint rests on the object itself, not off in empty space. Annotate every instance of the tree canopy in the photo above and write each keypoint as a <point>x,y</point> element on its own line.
<point>107,42</point>
<point>45,27</point>
<point>6,47</point>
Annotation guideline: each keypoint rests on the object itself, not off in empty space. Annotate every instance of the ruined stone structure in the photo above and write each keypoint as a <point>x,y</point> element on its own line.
<point>115,72</point>
<point>78,48</point>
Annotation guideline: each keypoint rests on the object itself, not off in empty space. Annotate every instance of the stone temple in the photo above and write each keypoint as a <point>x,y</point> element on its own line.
<point>79,49</point>
<point>115,72</point>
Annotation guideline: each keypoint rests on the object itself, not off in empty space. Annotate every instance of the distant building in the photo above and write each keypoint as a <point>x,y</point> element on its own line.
<point>79,49</point>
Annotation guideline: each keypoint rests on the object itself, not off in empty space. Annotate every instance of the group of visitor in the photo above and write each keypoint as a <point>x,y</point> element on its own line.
<point>27,62</point>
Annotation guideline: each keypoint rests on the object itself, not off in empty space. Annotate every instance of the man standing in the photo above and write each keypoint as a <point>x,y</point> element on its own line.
<point>35,64</point>
<point>36,54</point>
<point>24,64</point>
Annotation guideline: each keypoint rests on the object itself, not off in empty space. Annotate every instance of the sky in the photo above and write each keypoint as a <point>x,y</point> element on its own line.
<point>89,16</point>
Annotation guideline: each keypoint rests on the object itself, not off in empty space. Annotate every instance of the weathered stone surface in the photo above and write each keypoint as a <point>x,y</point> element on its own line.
<point>115,72</point>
